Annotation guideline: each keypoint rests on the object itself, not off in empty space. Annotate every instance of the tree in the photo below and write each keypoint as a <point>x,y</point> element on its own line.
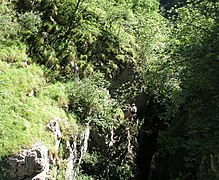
<point>192,111</point>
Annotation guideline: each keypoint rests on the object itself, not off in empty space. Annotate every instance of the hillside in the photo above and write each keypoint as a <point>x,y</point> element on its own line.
<point>70,71</point>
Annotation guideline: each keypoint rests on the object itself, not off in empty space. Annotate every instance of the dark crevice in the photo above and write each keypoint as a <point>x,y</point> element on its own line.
<point>148,114</point>
<point>147,145</point>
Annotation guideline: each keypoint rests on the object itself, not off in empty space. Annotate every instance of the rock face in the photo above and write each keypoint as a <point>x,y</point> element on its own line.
<point>77,147</point>
<point>112,153</point>
<point>30,163</point>
<point>38,163</point>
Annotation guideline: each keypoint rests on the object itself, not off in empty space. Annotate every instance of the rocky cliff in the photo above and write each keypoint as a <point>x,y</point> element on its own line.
<point>39,163</point>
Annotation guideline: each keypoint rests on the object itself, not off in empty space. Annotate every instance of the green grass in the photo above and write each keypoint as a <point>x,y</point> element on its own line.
<point>13,53</point>
<point>23,118</point>
<point>28,102</point>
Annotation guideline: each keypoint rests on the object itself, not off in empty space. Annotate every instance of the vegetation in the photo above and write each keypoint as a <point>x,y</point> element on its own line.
<point>171,56</point>
<point>194,64</point>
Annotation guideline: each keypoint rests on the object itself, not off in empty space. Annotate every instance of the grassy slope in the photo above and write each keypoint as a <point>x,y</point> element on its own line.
<point>27,101</point>
<point>23,118</point>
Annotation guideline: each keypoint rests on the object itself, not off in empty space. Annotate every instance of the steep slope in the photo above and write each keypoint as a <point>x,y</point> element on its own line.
<point>69,71</point>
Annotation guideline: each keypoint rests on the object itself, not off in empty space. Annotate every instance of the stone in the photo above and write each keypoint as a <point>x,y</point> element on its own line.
<point>28,163</point>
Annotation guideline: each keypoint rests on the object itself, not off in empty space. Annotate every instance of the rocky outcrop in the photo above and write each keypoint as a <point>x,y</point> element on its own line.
<point>77,147</point>
<point>39,163</point>
<point>112,153</point>
<point>74,146</point>
<point>31,163</point>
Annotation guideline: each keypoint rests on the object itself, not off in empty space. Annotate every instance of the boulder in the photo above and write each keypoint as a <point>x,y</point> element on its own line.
<point>29,163</point>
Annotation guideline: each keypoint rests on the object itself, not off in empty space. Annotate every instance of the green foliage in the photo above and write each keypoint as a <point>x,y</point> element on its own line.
<point>31,23</point>
<point>11,49</point>
<point>99,166</point>
<point>175,61</point>
<point>185,80</point>
<point>124,172</point>
<point>23,115</point>
<point>103,31</point>
<point>90,101</point>
<point>8,25</point>
<point>83,177</point>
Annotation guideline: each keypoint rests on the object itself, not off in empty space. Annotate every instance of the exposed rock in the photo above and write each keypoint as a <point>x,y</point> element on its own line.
<point>34,163</point>
<point>76,153</point>
<point>117,150</point>
<point>84,142</point>
<point>30,163</point>
<point>54,126</point>
<point>73,149</point>
<point>130,156</point>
